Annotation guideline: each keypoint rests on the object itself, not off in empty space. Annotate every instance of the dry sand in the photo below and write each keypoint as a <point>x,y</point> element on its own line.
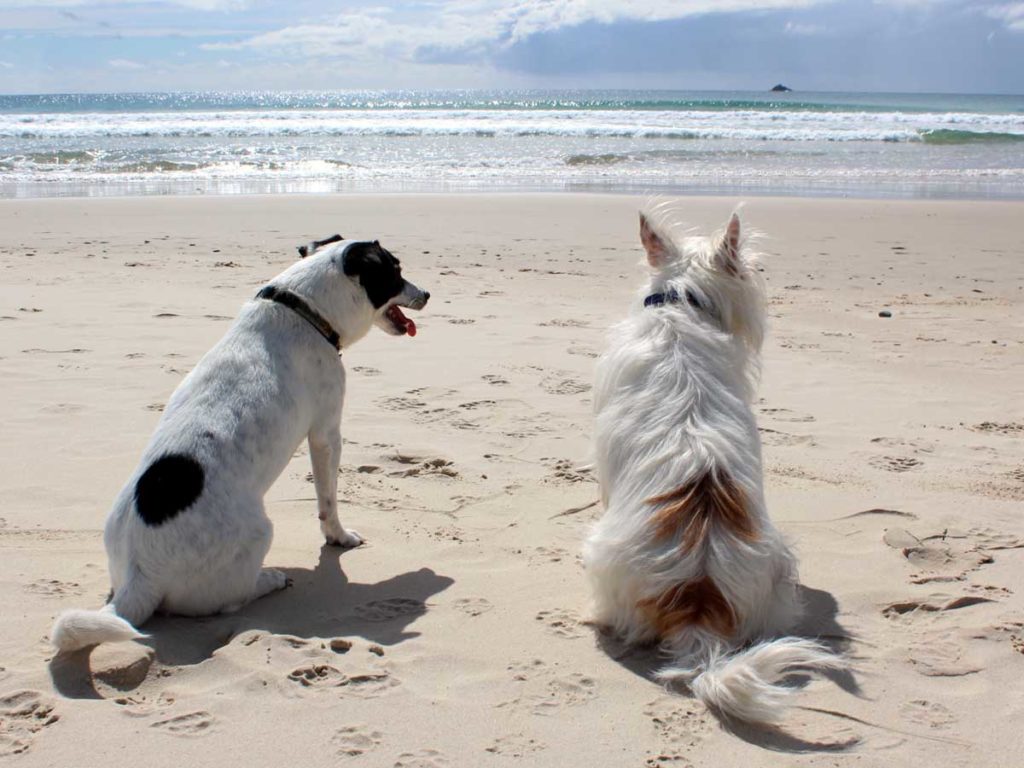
<point>894,456</point>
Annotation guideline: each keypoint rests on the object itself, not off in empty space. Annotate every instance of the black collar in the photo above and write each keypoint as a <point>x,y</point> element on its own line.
<point>671,297</point>
<point>302,308</point>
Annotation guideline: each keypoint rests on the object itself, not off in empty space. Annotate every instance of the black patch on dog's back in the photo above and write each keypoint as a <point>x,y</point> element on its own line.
<point>379,272</point>
<point>169,486</point>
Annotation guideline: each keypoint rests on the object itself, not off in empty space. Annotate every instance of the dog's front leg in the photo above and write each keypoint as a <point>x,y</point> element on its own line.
<point>325,452</point>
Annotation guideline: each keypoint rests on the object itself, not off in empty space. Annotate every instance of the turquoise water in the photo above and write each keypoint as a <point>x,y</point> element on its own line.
<point>898,145</point>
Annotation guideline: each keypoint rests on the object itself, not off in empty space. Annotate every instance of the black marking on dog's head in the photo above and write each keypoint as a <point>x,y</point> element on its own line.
<point>314,246</point>
<point>169,486</point>
<point>379,272</point>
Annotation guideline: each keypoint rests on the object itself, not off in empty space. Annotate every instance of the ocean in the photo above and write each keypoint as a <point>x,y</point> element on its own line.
<point>819,144</point>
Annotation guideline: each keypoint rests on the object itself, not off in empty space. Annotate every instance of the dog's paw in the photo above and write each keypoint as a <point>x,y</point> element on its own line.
<point>271,580</point>
<point>348,540</point>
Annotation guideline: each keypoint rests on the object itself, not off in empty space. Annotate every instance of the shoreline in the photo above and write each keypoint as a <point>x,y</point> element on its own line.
<point>639,196</point>
<point>102,192</point>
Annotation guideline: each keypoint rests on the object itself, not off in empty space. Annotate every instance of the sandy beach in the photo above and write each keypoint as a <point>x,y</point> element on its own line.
<point>894,459</point>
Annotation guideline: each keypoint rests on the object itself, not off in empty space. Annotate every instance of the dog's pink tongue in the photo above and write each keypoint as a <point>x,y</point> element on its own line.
<point>398,318</point>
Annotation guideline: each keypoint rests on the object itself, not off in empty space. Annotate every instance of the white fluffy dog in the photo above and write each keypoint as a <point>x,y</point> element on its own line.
<point>188,533</point>
<point>685,553</point>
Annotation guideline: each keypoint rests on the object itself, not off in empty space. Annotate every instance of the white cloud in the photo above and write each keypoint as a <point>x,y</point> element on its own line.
<point>803,30</point>
<point>1011,14</point>
<point>462,25</point>
<point>200,5</point>
<point>6,65</point>
<point>124,64</point>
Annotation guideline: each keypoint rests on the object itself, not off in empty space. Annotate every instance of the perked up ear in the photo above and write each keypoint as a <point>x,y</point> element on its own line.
<point>658,251</point>
<point>727,256</point>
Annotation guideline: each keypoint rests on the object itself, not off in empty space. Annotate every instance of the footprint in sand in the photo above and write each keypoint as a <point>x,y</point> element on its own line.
<point>476,404</point>
<point>355,740</point>
<point>318,676</point>
<point>366,370</point>
<point>436,467</point>
<point>474,606</point>
<point>40,351</point>
<point>23,714</point>
<point>913,446</point>
<point>401,404</point>
<point>785,414</point>
<point>1010,429</point>
<point>937,654</point>
<point>53,588</point>
<point>422,758</point>
<point>561,623</point>
<point>666,760</point>
<point>935,650</point>
<point>560,385</point>
<point>678,721</point>
<point>951,555</point>
<point>928,713</point>
<point>190,724</point>
<point>895,463</point>
<point>934,605</point>
<point>138,705</point>
<point>524,671</point>
<point>567,471</point>
<point>495,381</point>
<point>570,690</point>
<point>515,745</point>
<point>542,555</point>
<point>774,437</point>
<point>367,685</point>
<point>564,323</point>
<point>543,691</point>
<point>582,351</point>
<point>390,608</point>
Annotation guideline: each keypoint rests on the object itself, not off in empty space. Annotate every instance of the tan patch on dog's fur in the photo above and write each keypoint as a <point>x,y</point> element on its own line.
<point>694,506</point>
<point>697,603</point>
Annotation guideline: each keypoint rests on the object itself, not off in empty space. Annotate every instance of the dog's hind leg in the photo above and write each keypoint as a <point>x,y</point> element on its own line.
<point>269,580</point>
<point>325,452</point>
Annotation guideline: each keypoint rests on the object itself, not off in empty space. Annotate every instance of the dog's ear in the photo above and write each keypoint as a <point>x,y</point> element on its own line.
<point>658,251</point>
<point>727,254</point>
<point>309,248</point>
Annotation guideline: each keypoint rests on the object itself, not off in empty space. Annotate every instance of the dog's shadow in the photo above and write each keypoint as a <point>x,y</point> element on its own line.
<point>320,603</point>
<point>819,623</point>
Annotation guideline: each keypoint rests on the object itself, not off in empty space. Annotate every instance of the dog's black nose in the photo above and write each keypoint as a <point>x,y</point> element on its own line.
<point>426,296</point>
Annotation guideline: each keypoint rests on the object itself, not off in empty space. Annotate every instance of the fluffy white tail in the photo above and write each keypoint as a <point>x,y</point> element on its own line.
<point>112,623</point>
<point>745,685</point>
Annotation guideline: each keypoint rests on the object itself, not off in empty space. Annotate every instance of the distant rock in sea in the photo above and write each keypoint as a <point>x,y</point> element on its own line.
<point>782,88</point>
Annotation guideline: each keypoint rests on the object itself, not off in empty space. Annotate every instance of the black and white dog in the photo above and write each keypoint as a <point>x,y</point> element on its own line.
<point>188,533</point>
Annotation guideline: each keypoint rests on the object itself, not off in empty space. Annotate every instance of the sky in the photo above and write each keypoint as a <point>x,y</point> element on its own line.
<point>950,46</point>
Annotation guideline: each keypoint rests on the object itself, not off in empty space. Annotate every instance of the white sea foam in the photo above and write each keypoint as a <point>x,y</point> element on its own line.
<point>757,125</point>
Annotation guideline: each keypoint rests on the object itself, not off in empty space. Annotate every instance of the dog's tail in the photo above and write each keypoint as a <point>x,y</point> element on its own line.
<point>132,604</point>
<point>746,685</point>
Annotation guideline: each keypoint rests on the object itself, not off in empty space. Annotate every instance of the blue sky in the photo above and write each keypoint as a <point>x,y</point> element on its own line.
<point>973,46</point>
